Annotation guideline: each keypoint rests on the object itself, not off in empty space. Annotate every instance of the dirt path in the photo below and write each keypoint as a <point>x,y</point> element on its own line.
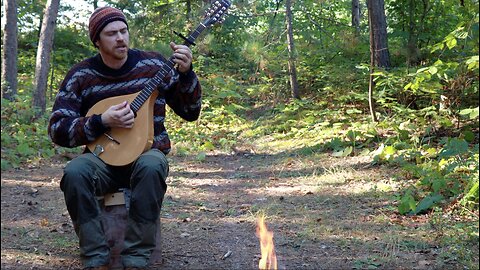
<point>326,213</point>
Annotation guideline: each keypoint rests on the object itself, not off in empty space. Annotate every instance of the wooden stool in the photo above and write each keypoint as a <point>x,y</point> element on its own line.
<point>114,220</point>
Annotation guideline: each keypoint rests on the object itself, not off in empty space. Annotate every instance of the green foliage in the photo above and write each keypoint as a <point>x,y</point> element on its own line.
<point>471,194</point>
<point>441,174</point>
<point>22,139</point>
<point>442,93</point>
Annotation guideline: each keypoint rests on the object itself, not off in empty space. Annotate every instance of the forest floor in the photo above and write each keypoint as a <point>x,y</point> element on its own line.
<point>325,213</point>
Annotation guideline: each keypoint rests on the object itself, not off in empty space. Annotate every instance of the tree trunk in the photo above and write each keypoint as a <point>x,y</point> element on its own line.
<point>52,78</point>
<point>356,16</point>
<point>371,83</point>
<point>39,29</point>
<point>42,65</point>
<point>189,10</point>
<point>9,51</point>
<point>378,22</point>
<point>412,49</point>
<point>292,70</point>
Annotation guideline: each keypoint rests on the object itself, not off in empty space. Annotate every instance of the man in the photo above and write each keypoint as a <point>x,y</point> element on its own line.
<point>118,70</point>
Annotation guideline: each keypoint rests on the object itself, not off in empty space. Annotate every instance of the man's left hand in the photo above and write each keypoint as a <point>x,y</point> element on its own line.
<point>182,57</point>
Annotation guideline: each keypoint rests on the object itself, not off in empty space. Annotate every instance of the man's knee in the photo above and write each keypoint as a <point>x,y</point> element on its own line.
<point>153,162</point>
<point>76,174</point>
<point>148,186</point>
<point>78,186</point>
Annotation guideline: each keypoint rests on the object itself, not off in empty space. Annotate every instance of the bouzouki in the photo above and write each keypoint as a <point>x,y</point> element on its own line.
<point>122,146</point>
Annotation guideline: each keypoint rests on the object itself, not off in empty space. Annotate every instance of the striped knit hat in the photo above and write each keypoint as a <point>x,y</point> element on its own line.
<point>101,17</point>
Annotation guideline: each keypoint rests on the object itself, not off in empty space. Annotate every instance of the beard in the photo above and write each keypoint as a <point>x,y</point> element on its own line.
<point>118,51</point>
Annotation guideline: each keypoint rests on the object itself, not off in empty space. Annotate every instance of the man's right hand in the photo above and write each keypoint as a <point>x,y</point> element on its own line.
<point>119,116</point>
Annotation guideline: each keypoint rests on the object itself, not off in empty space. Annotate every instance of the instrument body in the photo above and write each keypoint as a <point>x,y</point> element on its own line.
<point>129,142</point>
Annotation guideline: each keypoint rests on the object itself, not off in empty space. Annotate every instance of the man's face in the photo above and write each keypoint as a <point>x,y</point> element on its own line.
<point>114,40</point>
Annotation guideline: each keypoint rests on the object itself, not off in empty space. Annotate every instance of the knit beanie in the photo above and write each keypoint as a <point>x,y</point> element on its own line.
<point>101,17</point>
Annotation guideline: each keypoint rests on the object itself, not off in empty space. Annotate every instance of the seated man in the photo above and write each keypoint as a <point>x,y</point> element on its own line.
<point>118,70</point>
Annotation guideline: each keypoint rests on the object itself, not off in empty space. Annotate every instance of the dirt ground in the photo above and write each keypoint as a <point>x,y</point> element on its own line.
<point>325,213</point>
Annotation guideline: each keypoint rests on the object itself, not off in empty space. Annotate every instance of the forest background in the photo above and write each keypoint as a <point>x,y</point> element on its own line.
<point>394,80</point>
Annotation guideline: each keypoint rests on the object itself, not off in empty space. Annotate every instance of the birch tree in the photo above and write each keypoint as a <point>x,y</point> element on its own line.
<point>44,50</point>
<point>9,51</point>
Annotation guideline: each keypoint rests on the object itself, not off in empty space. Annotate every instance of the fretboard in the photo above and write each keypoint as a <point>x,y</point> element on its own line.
<point>156,80</point>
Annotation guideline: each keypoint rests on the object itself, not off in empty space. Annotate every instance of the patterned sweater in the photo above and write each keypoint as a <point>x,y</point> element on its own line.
<point>91,81</point>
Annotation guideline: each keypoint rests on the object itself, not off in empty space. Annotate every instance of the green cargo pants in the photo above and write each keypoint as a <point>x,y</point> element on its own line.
<point>86,177</point>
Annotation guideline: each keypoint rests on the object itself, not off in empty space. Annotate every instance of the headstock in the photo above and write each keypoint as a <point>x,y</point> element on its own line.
<point>216,13</point>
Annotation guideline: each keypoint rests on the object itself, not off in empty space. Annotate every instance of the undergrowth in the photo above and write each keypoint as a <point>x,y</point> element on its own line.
<point>432,143</point>
<point>436,149</point>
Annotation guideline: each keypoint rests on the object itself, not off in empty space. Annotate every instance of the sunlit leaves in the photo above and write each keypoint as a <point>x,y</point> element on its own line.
<point>472,62</point>
<point>470,113</point>
<point>407,204</point>
<point>343,152</point>
<point>471,197</point>
<point>450,41</point>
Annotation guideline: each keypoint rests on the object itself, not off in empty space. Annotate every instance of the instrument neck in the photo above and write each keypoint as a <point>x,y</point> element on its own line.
<point>155,81</point>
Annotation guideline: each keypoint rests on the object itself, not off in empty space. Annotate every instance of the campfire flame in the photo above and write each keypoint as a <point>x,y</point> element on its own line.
<point>269,259</point>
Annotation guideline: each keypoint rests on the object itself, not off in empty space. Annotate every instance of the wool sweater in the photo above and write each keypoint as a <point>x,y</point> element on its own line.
<point>91,81</point>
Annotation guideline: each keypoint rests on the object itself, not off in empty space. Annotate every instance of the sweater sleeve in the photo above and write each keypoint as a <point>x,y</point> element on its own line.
<point>184,96</point>
<point>67,126</point>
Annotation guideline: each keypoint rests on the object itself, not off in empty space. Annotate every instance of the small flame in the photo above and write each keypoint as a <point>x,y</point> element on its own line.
<point>269,259</point>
